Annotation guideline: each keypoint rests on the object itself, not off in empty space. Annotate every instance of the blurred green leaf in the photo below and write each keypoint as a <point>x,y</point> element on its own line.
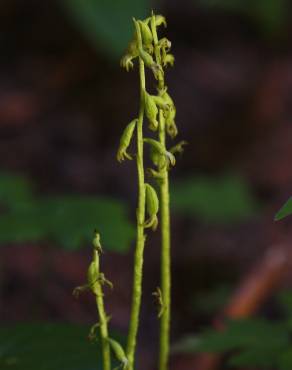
<point>107,23</point>
<point>285,360</point>
<point>188,344</point>
<point>227,5</point>
<point>15,190</point>
<point>242,334</point>
<point>253,342</point>
<point>225,199</point>
<point>246,333</point>
<point>211,301</point>
<point>270,15</point>
<point>67,220</point>
<point>285,300</point>
<point>256,357</point>
<point>47,346</point>
<point>285,211</point>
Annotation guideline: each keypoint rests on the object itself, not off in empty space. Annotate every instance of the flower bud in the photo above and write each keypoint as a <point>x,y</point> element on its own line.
<point>159,20</point>
<point>118,351</point>
<point>170,125</point>
<point>159,155</point>
<point>163,93</point>
<point>126,62</point>
<point>170,157</point>
<point>146,33</point>
<point>168,59</point>
<point>170,116</point>
<point>159,160</point>
<point>151,111</point>
<point>171,129</point>
<point>146,57</point>
<point>152,206</point>
<point>156,145</point>
<point>92,331</point>
<point>149,62</point>
<point>131,53</point>
<point>125,141</point>
<point>164,44</point>
<point>96,241</point>
<point>132,48</point>
<point>155,174</point>
<point>160,102</point>
<point>178,148</point>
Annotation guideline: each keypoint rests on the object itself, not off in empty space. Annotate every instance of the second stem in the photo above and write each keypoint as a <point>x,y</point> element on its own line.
<point>138,260</point>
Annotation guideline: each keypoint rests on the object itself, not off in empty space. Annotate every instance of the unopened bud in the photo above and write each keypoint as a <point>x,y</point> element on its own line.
<point>168,59</point>
<point>151,111</point>
<point>125,141</point>
<point>152,206</point>
<point>118,351</point>
<point>159,20</point>
<point>171,129</point>
<point>178,148</point>
<point>146,33</point>
<point>96,241</point>
<point>131,53</point>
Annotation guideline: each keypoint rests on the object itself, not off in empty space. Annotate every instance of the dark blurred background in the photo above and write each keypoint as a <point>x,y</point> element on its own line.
<point>64,101</point>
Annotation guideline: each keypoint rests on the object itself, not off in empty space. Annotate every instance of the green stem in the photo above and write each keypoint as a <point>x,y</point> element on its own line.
<point>103,320</point>
<point>140,242</point>
<point>165,231</point>
<point>165,260</point>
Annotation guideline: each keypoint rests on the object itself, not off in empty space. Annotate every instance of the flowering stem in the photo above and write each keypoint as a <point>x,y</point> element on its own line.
<point>165,262</point>
<point>153,54</point>
<point>165,229</point>
<point>140,241</point>
<point>102,320</point>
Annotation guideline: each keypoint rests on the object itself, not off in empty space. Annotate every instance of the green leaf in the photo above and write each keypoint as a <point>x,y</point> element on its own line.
<point>285,211</point>
<point>226,5</point>
<point>71,220</point>
<point>245,334</point>
<point>285,360</point>
<point>211,301</point>
<point>256,357</point>
<point>188,344</point>
<point>268,14</point>
<point>48,346</point>
<point>226,199</point>
<point>67,220</point>
<point>14,190</point>
<point>107,23</point>
<point>285,300</point>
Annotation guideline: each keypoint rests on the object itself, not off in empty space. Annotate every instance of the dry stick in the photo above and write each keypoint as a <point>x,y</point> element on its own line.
<point>165,228</point>
<point>138,260</point>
